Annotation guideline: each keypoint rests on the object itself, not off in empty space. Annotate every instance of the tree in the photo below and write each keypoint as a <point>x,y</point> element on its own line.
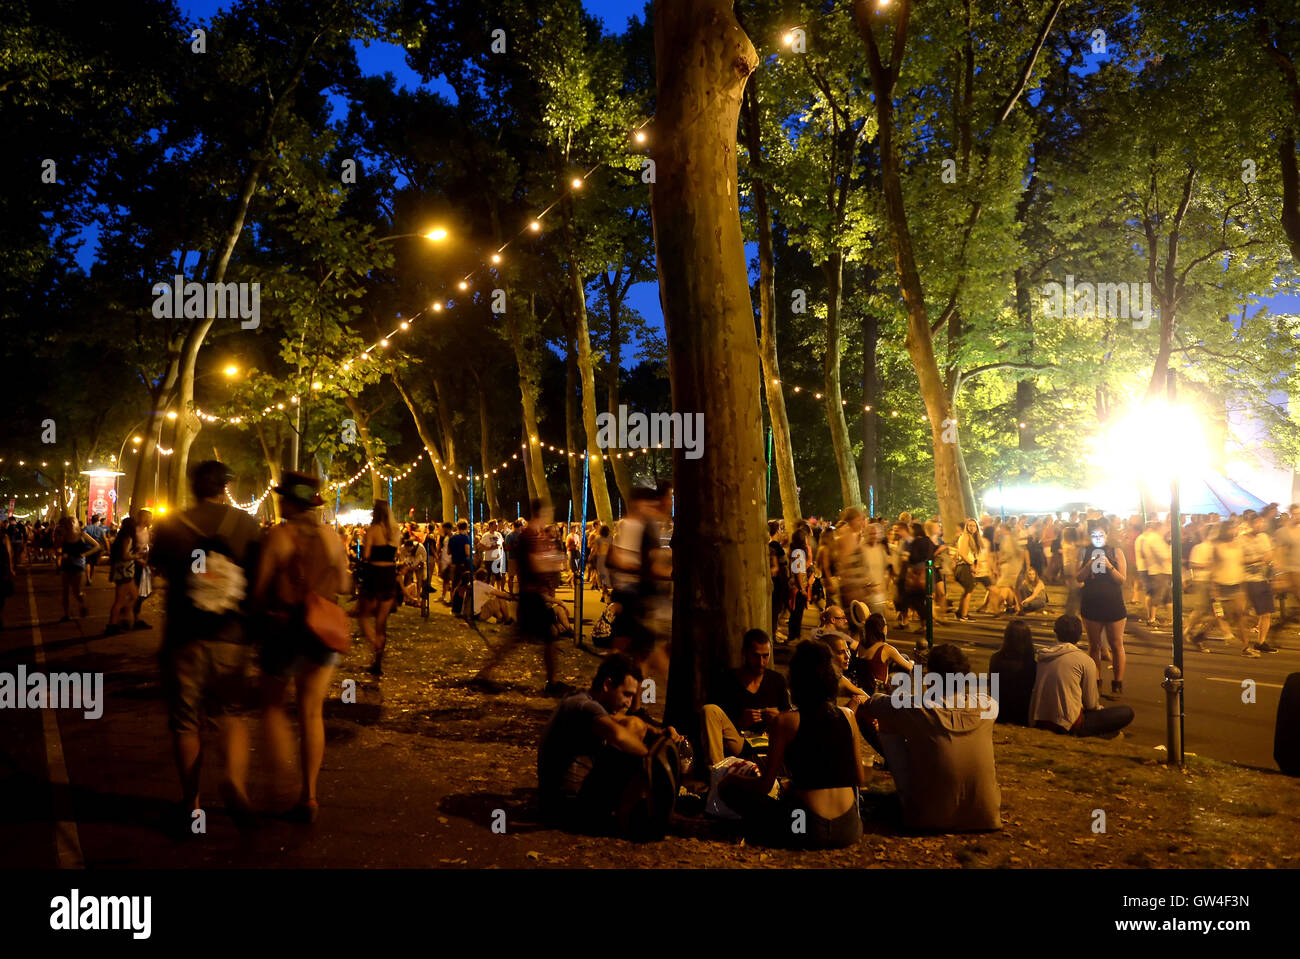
<point>720,577</point>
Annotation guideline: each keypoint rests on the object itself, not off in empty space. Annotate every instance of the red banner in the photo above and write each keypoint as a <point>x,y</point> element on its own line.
<point>100,502</point>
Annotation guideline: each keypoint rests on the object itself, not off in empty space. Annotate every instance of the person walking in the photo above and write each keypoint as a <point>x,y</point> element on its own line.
<point>122,560</point>
<point>378,581</point>
<point>75,544</point>
<point>301,558</point>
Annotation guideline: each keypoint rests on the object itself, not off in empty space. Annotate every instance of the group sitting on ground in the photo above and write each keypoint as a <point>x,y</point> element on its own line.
<point>932,727</point>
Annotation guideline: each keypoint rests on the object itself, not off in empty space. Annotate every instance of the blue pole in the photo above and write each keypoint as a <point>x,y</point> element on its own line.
<point>582,563</point>
<point>390,493</point>
<point>517,512</point>
<point>473,542</point>
<point>871,494</point>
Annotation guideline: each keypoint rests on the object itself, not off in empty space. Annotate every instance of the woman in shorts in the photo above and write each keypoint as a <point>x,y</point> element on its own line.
<point>75,544</point>
<point>1227,574</point>
<point>299,556</point>
<point>1102,571</point>
<point>122,558</point>
<point>378,592</point>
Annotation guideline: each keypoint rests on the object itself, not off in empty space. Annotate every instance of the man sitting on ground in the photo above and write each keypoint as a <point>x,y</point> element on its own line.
<point>591,748</point>
<point>489,601</point>
<point>1065,697</point>
<point>941,755</point>
<point>747,699</point>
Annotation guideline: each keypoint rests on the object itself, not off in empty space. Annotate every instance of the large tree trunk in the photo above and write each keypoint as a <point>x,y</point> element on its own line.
<point>446,472</point>
<point>850,491</point>
<point>587,370</point>
<point>720,573</point>
<point>919,340</point>
<point>782,448</point>
<point>272,463</point>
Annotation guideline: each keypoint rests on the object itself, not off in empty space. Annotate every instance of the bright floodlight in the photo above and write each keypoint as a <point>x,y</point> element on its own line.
<point>231,370</point>
<point>639,136</point>
<point>437,235</point>
<point>1154,443</point>
<point>171,414</point>
<point>577,182</point>
<point>464,285</point>
<point>137,439</point>
<point>535,226</point>
<point>496,257</point>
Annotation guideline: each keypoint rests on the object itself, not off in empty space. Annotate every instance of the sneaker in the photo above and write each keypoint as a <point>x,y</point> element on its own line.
<point>141,624</point>
<point>1265,647</point>
<point>1203,646</point>
<point>1250,653</point>
<point>1116,687</point>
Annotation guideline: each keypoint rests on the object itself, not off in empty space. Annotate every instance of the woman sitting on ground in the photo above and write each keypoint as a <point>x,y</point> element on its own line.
<point>874,657</point>
<point>1031,592</point>
<point>1015,666</point>
<point>818,742</point>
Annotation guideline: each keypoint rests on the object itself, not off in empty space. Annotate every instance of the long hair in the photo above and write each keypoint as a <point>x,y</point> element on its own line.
<point>383,516</point>
<point>813,680</point>
<point>1017,642</point>
<point>875,629</point>
<point>125,534</point>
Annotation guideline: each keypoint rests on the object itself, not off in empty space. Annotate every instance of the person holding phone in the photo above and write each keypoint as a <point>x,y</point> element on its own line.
<point>1102,570</point>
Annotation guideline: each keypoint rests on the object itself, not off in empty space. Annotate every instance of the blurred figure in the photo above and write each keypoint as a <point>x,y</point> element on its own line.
<point>301,557</point>
<point>378,581</point>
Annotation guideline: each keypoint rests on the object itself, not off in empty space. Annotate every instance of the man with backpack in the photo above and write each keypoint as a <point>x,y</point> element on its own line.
<point>207,555</point>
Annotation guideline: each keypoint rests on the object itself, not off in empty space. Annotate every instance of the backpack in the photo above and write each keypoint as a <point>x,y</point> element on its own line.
<point>602,633</point>
<point>914,580</point>
<point>219,586</point>
<point>647,802</point>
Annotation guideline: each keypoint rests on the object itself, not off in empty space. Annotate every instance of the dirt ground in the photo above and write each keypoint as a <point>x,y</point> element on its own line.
<point>1065,802</point>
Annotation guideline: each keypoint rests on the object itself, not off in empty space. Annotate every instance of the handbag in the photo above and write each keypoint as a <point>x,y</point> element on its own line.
<point>325,620</point>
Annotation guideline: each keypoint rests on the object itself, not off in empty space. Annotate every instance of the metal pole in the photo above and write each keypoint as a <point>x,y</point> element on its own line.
<point>871,497</point>
<point>1173,687</point>
<point>390,494</point>
<point>1176,550</point>
<point>582,562</point>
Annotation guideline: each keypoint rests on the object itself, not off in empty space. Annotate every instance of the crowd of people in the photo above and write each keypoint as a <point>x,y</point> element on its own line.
<point>270,592</point>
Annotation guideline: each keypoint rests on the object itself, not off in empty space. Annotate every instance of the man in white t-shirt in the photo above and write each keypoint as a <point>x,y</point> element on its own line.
<point>1202,594</point>
<point>489,601</point>
<point>1154,555</point>
<point>490,545</point>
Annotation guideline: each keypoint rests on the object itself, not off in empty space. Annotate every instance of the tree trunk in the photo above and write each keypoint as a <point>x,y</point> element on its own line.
<point>720,572</point>
<point>445,471</point>
<point>377,490</point>
<point>850,491</point>
<point>485,448</point>
<point>273,464</point>
<point>782,448</point>
<point>1025,392</point>
<point>622,473</point>
<point>460,498</point>
<point>919,340</point>
<point>572,429</point>
<point>521,338</point>
<point>870,398</point>
<point>587,370</point>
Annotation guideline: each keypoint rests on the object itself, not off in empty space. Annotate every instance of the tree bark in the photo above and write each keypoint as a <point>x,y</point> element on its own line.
<point>720,571</point>
<point>782,448</point>
<point>587,371</point>
<point>446,472</point>
<point>850,490</point>
<point>870,398</point>
<point>485,450</point>
<point>919,340</point>
<point>377,490</point>
<point>572,428</point>
<point>622,474</point>
<point>522,339</point>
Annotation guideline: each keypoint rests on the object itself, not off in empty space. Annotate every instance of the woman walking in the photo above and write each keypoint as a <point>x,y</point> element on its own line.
<point>122,557</point>
<point>300,557</point>
<point>75,545</point>
<point>378,581</point>
<point>1102,570</point>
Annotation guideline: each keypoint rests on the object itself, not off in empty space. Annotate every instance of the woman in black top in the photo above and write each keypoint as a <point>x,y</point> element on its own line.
<point>1102,570</point>
<point>819,744</point>
<point>911,587</point>
<point>779,570</point>
<point>75,544</point>
<point>378,581</point>
<point>1015,666</point>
